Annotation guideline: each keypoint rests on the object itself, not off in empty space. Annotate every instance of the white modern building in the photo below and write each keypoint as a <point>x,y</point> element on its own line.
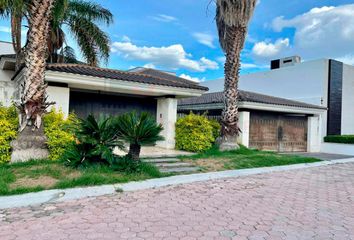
<point>326,83</point>
<point>91,90</point>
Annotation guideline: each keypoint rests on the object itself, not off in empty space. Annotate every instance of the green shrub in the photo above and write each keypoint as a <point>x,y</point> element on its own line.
<point>194,133</point>
<point>349,139</point>
<point>8,130</point>
<point>59,132</point>
<point>216,128</point>
<point>138,130</point>
<point>96,140</point>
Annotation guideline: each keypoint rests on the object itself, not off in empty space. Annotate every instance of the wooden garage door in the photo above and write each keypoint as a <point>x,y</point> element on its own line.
<point>98,104</point>
<point>280,133</point>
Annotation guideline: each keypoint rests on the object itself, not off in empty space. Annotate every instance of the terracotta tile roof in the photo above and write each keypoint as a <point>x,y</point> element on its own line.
<point>140,77</point>
<point>244,96</point>
<point>161,74</point>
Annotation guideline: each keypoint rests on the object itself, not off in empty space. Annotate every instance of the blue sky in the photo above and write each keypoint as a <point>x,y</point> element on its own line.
<point>180,35</point>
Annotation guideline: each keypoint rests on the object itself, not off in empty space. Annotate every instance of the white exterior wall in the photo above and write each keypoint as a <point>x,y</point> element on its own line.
<point>6,48</point>
<point>61,97</point>
<point>348,100</point>
<point>302,82</point>
<point>306,82</point>
<point>338,148</point>
<point>314,135</point>
<point>166,115</point>
<point>6,87</point>
<point>244,124</point>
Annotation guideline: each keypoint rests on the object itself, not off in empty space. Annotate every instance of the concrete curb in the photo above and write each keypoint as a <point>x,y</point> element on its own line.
<point>59,195</point>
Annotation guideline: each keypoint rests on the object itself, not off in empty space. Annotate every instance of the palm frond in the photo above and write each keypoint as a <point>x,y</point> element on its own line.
<point>91,11</point>
<point>59,10</point>
<point>93,42</point>
<point>69,55</point>
<point>232,13</point>
<point>140,129</point>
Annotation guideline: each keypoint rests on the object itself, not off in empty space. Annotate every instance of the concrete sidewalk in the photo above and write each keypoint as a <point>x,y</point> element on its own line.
<point>59,195</point>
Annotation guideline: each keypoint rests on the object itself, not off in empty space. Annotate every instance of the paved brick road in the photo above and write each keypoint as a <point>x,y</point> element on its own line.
<point>316,203</point>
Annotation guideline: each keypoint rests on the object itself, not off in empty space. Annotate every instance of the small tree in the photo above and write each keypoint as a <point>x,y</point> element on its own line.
<point>138,130</point>
<point>232,18</point>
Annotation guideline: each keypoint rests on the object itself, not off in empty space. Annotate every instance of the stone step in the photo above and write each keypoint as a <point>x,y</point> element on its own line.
<point>162,160</point>
<point>179,169</point>
<point>173,165</point>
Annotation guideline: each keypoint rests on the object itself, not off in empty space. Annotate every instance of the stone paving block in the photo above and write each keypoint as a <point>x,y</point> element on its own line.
<point>313,203</point>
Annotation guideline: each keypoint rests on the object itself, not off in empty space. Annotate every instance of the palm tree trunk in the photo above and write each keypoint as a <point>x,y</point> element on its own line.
<point>234,39</point>
<point>16,35</point>
<point>31,143</point>
<point>134,151</point>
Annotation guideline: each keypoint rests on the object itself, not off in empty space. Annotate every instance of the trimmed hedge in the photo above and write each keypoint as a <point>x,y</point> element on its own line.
<point>348,139</point>
<point>8,130</point>
<point>194,133</point>
<point>216,128</point>
<point>59,132</point>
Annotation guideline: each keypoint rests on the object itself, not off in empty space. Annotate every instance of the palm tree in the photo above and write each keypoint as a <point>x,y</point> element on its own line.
<point>82,19</point>
<point>138,130</point>
<point>31,143</point>
<point>14,9</point>
<point>232,18</point>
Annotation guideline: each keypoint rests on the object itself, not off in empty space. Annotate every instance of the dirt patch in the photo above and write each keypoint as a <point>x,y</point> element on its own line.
<point>73,175</point>
<point>208,164</point>
<point>25,182</point>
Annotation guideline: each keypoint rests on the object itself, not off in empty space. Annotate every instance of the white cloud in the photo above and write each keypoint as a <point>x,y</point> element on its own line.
<point>149,65</point>
<point>268,49</point>
<point>194,79</point>
<point>209,64</point>
<point>221,59</point>
<point>171,57</point>
<point>5,29</point>
<point>325,32</point>
<point>164,18</point>
<point>348,59</point>
<point>205,39</point>
<point>126,39</point>
<point>252,66</point>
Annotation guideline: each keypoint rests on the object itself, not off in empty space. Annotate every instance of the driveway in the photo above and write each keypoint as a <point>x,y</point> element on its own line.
<point>313,203</point>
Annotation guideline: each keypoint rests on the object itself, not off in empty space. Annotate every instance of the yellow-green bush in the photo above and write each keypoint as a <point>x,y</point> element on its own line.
<point>216,128</point>
<point>8,130</point>
<point>194,133</point>
<point>59,132</point>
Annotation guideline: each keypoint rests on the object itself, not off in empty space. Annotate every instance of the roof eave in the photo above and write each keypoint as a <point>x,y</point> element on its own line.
<point>114,85</point>
<point>257,106</point>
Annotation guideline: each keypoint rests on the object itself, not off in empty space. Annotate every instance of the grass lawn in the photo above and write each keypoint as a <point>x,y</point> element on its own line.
<point>214,160</point>
<point>35,176</point>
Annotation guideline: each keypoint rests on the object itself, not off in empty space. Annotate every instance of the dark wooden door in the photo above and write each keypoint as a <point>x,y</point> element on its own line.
<point>104,104</point>
<point>275,132</point>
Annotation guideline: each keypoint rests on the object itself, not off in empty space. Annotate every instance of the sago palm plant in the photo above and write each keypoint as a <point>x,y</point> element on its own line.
<point>138,130</point>
<point>232,18</point>
<point>96,140</point>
